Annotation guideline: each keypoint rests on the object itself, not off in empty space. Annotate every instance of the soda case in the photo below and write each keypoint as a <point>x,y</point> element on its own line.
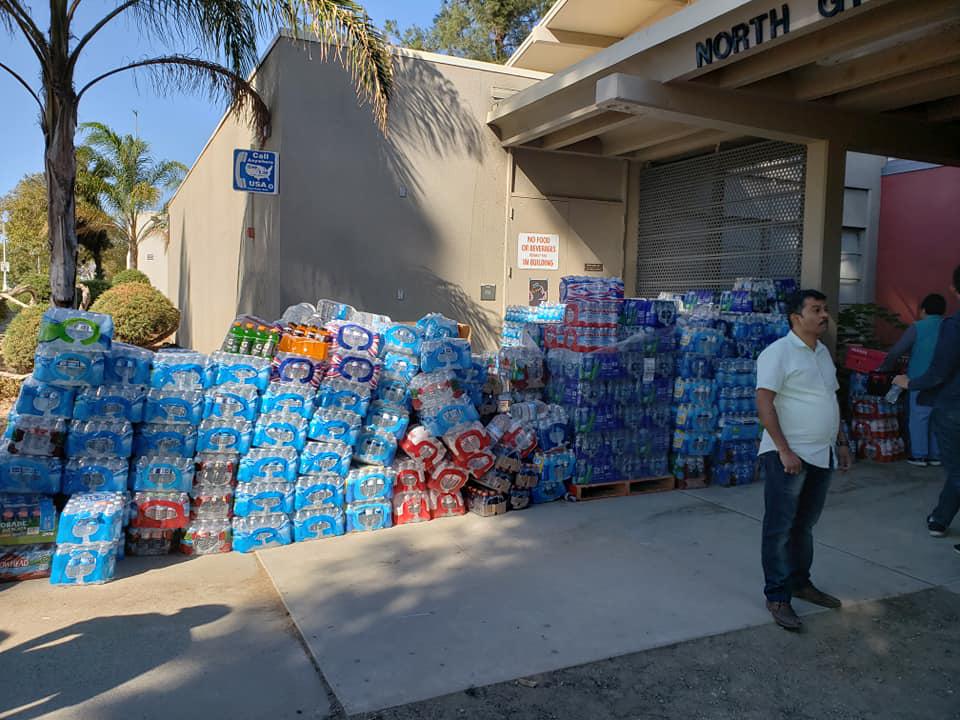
<point>496,481</point>
<point>369,515</point>
<point>163,473</point>
<point>207,537</point>
<point>95,474</point>
<point>337,393</point>
<point>32,435</point>
<point>211,503</point>
<point>174,405</point>
<point>237,369</point>
<point>127,365</point>
<point>289,398</point>
<point>325,457</point>
<point>100,438</point>
<point>25,562</point>
<point>325,489</point>
<point>111,402</point>
<point>232,401</point>
<point>217,435</point>
<point>333,425</point>
<point>275,430</point>
<point>181,370</point>
<point>45,400</point>
<point>485,502</point>
<point>30,474</point>
<point>27,519</point>
<point>519,498</point>
<point>263,497</point>
<point>261,530</point>
<point>165,439</point>
<point>279,463</point>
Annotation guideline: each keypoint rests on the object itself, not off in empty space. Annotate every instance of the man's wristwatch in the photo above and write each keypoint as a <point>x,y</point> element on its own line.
<point>843,443</point>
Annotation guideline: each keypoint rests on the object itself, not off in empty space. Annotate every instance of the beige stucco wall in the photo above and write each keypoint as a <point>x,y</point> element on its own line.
<point>152,260</point>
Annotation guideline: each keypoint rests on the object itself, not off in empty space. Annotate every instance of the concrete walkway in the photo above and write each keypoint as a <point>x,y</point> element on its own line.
<point>418,612</point>
<point>422,611</point>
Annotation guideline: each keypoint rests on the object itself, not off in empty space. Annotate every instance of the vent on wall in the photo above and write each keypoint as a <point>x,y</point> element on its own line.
<point>706,221</point>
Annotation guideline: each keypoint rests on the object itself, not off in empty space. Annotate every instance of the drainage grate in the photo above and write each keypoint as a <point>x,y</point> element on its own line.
<point>707,221</point>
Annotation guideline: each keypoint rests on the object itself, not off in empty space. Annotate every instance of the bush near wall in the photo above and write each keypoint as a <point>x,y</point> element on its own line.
<point>130,276</point>
<point>142,315</point>
<point>96,288</point>
<point>20,339</point>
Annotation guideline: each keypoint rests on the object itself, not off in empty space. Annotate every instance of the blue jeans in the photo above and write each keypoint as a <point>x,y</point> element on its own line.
<point>793,504</point>
<point>946,424</point>
<point>923,441</point>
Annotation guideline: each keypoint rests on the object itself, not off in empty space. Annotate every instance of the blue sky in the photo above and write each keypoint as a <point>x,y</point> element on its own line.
<point>176,126</point>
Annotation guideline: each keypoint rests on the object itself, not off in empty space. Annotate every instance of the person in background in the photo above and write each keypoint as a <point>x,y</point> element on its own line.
<point>802,444</point>
<point>919,340</point>
<point>939,386</point>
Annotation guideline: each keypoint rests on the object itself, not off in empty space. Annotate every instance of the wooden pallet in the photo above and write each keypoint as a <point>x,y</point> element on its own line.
<point>621,488</point>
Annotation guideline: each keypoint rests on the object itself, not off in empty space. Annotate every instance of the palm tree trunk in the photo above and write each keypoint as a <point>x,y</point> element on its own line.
<point>60,165</point>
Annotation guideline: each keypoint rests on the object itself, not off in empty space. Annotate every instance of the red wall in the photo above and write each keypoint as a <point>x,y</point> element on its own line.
<point>919,239</point>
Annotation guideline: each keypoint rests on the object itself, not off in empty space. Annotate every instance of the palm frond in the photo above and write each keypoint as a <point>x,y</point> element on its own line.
<point>179,72</point>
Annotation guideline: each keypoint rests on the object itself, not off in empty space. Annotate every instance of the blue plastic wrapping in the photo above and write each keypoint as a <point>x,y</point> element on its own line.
<point>44,399</point>
<point>68,329</point>
<point>100,437</point>
<point>325,457</point>
<point>216,435</point>
<point>281,430</point>
<point>231,368</point>
<point>260,531</point>
<point>320,522</point>
<point>95,474</point>
<point>128,365</point>
<point>317,490</point>
<point>163,473</point>
<point>173,405</point>
<point>110,402</point>
<point>289,397</point>
<point>30,474</point>
<point>165,439</point>
<point>76,368</point>
<point>232,401</point>
<point>366,516</point>
<point>262,497</point>
<point>90,564</point>
<point>329,425</point>
<point>280,463</point>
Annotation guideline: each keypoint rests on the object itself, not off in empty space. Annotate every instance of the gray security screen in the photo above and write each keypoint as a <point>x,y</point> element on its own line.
<point>707,221</point>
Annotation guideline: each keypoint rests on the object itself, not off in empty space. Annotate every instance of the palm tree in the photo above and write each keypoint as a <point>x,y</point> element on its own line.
<point>131,183</point>
<point>222,28</point>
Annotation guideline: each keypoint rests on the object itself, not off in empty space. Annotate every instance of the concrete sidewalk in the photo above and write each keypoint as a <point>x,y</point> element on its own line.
<point>418,612</point>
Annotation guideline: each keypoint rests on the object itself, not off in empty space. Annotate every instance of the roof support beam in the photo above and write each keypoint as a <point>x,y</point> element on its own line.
<point>699,140</point>
<point>603,122</point>
<point>551,114</point>
<point>746,113</point>
<point>934,83</point>
<point>647,135</point>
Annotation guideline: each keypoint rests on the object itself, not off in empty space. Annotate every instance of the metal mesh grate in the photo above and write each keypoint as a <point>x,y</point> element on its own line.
<point>706,221</point>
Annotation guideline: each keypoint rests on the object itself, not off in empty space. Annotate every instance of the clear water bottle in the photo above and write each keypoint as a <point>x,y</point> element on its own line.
<point>893,395</point>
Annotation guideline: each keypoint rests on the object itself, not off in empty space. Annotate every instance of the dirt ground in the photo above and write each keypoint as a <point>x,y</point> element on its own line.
<point>896,659</point>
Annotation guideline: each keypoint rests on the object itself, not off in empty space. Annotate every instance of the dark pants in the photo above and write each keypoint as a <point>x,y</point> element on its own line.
<point>793,504</point>
<point>946,425</point>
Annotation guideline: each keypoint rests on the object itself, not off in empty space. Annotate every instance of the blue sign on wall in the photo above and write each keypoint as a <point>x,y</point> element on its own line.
<point>255,171</point>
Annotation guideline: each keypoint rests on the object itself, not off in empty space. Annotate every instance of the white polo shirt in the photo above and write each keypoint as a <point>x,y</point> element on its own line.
<point>805,382</point>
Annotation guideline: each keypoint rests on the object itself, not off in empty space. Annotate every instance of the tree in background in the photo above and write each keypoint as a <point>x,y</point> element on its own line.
<point>487,30</point>
<point>224,29</point>
<point>130,182</point>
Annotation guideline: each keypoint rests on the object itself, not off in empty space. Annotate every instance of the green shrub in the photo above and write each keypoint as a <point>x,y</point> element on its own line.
<point>20,340</point>
<point>40,283</point>
<point>142,315</point>
<point>130,276</point>
<point>96,288</point>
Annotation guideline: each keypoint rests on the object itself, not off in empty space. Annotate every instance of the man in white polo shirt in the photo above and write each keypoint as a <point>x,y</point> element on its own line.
<point>802,444</point>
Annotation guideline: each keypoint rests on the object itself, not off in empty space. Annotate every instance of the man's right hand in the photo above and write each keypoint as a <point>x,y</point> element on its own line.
<point>792,465</point>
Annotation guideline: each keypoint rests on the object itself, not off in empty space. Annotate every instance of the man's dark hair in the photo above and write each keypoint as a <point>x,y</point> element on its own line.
<point>934,304</point>
<point>797,300</point>
<point>956,278</point>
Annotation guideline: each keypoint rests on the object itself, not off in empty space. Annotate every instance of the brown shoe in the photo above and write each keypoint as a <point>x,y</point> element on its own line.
<point>784,616</point>
<point>812,595</point>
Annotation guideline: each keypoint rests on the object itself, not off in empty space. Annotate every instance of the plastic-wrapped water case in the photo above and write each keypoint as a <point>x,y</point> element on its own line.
<point>232,401</point>
<point>91,564</point>
<point>174,406</point>
<point>318,522</point>
<point>92,517</point>
<point>546,492</point>
<point>32,435</point>
<point>289,397</point>
<point>165,439</point>
<point>163,473</point>
<point>207,537</point>
<point>216,435</point>
<point>440,418</point>
<point>411,506</point>
<point>447,477</point>
<point>420,445</point>
<point>100,438</point>
<point>25,562</point>
<point>344,395</point>
<point>403,338</point>
<point>478,463</point>
<point>234,369</point>
<point>110,402</point>
<point>181,370</point>
<point>27,519</point>
<point>213,470</point>
<point>436,326</point>
<point>263,497</point>
<point>410,475</point>
<point>519,498</point>
<point>387,418</point>
<point>74,368</point>
<point>375,448</point>
<point>325,457</point>
<point>147,542</point>
<point>281,430</point>
<point>127,365</point>
<point>43,399</point>
<point>317,490</point>
<point>467,438</point>
<point>261,531</point>
<point>297,369</point>
<point>269,464</point>
<point>446,504</point>
<point>356,368</point>
<point>496,481</point>
<point>400,366</point>
<point>445,354</point>
<point>354,338</point>
<point>370,483</point>
<point>371,515</point>
<point>331,424</point>
<point>395,391</point>
<point>161,510</point>
<point>95,474</point>
<point>211,502</point>
<point>30,474</point>
<point>68,329</point>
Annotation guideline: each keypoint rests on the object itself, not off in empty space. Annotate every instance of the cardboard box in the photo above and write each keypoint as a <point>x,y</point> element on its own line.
<point>27,519</point>
<point>864,360</point>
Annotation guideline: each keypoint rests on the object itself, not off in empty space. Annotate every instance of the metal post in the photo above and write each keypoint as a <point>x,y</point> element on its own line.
<point>3,231</point>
